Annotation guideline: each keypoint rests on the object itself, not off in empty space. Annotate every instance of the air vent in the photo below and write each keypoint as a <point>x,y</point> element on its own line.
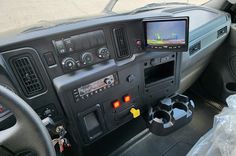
<point>222,31</point>
<point>195,48</point>
<point>27,76</point>
<point>121,43</point>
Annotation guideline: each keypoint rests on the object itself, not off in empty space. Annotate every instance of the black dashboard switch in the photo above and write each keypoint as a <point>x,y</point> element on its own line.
<point>48,112</point>
<point>60,47</point>
<point>69,45</point>
<point>154,61</point>
<point>130,78</point>
<point>49,58</point>
<point>165,59</point>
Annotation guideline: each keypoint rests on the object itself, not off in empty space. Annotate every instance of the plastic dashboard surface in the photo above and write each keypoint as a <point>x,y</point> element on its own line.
<point>112,57</point>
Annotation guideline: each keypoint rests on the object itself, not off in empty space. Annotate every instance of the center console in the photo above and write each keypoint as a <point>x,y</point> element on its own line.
<point>100,99</point>
<point>101,93</point>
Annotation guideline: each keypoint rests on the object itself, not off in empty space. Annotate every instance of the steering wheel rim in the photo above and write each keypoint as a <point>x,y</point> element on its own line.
<point>28,132</point>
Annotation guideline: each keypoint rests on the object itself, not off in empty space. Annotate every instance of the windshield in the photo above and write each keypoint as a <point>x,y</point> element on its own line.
<point>19,14</point>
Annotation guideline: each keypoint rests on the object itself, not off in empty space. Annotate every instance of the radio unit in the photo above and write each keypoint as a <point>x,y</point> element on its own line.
<point>95,87</point>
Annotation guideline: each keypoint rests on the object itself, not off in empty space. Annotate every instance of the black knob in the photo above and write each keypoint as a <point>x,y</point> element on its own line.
<point>131,78</point>
<point>103,53</point>
<point>69,63</point>
<point>108,81</point>
<point>154,62</point>
<point>87,58</point>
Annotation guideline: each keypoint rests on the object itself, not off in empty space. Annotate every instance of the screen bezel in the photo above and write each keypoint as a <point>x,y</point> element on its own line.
<point>168,47</point>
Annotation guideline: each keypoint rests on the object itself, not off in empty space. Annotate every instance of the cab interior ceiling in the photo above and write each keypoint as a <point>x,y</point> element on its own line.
<point>108,80</point>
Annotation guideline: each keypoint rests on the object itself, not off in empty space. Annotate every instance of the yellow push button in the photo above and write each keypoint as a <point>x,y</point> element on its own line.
<point>135,112</point>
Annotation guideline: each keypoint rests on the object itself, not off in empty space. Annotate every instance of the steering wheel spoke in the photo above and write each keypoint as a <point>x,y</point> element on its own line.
<point>13,139</point>
<point>28,133</point>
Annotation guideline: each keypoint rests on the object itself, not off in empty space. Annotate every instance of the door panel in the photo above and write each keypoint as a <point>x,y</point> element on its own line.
<point>219,79</point>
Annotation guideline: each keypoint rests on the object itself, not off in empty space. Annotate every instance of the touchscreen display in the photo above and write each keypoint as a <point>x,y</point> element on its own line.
<point>160,33</point>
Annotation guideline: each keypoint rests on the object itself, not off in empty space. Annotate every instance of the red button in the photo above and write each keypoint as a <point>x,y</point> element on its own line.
<point>127,98</point>
<point>139,43</point>
<point>116,104</point>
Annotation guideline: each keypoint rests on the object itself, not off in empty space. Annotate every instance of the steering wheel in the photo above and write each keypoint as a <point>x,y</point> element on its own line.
<point>28,132</point>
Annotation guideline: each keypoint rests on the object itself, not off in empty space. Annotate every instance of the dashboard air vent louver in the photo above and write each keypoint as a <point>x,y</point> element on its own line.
<point>195,48</point>
<point>121,43</point>
<point>27,76</point>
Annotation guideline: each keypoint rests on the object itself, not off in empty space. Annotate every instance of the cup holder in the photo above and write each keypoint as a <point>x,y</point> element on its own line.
<point>161,121</point>
<point>170,114</point>
<point>180,106</point>
<point>162,117</point>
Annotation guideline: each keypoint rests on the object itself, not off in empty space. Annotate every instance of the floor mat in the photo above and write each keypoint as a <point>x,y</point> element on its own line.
<point>117,138</point>
<point>177,143</point>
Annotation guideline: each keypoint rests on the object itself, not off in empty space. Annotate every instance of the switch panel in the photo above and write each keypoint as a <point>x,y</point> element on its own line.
<point>85,49</point>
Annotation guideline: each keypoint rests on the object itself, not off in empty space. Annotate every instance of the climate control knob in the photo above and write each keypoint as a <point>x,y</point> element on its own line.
<point>69,63</point>
<point>87,58</point>
<point>103,53</point>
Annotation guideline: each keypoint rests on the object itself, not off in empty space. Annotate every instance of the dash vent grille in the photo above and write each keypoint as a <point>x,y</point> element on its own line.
<point>28,78</point>
<point>121,42</point>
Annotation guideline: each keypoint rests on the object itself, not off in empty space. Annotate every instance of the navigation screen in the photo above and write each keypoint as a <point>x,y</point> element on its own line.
<point>166,32</point>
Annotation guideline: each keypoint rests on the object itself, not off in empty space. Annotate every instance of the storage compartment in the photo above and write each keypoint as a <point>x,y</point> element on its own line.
<point>159,72</point>
<point>170,114</point>
<point>92,124</point>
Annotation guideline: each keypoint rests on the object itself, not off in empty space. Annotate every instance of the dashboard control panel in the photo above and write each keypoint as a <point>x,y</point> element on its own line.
<point>123,63</point>
<point>82,50</point>
<point>95,87</point>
